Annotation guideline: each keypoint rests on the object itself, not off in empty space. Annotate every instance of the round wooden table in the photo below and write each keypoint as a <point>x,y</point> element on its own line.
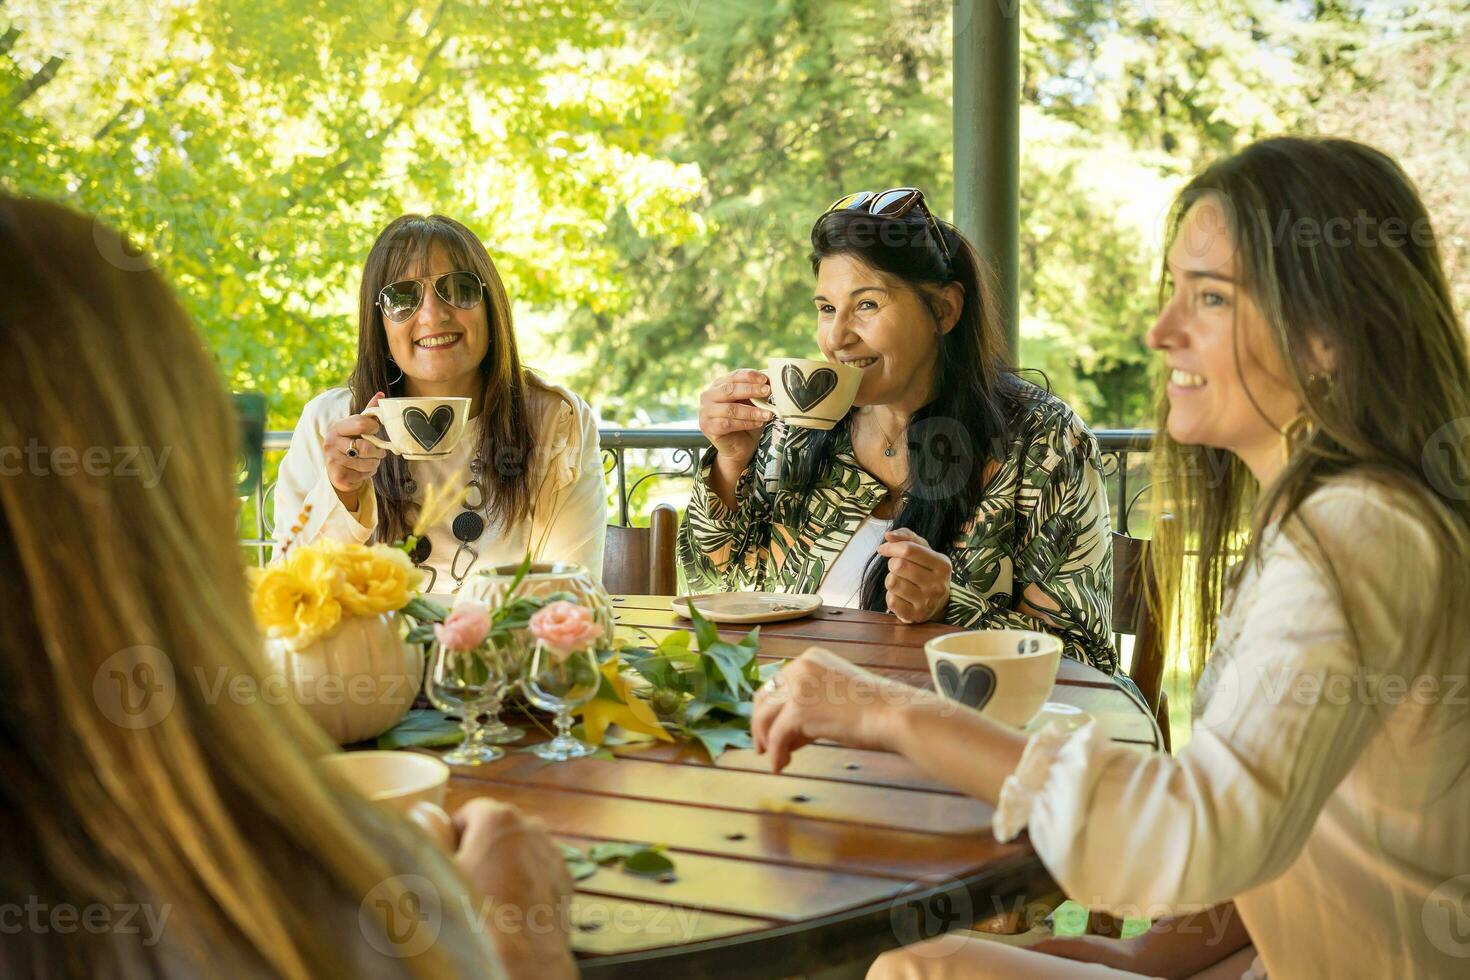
<point>845,854</point>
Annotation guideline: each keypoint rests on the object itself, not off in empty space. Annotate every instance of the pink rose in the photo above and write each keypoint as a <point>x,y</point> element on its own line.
<point>465,628</point>
<point>565,626</point>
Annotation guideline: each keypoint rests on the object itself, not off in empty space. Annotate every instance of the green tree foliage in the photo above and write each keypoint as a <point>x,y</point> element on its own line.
<point>646,172</point>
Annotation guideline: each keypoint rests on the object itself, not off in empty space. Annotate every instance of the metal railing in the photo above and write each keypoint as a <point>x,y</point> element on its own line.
<point>673,454</point>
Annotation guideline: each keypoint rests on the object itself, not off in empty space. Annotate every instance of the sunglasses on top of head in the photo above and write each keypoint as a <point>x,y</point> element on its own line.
<point>892,203</point>
<point>400,300</point>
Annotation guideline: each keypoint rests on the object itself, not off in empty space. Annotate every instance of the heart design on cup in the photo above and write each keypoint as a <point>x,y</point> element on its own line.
<point>973,688</point>
<point>807,391</point>
<point>428,430</point>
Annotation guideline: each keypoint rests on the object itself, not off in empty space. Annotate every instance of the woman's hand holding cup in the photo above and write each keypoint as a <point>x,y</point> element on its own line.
<point>352,461</point>
<point>733,426</point>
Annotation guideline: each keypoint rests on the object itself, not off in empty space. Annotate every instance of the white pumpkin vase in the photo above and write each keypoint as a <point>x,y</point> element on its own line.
<point>357,681</point>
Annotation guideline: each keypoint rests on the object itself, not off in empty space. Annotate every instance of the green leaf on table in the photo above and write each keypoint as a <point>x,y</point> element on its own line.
<point>422,728</point>
<point>425,610</point>
<point>660,673</point>
<point>578,866</point>
<point>731,659</point>
<point>717,740</point>
<point>649,863</point>
<point>611,853</point>
<point>704,631</point>
<point>674,644</point>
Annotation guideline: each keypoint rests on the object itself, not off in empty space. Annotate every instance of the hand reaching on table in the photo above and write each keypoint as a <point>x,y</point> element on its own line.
<point>821,695</point>
<point>512,862</point>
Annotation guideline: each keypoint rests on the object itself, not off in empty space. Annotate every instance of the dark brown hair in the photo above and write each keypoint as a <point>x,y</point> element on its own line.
<point>505,434</point>
<point>973,381</point>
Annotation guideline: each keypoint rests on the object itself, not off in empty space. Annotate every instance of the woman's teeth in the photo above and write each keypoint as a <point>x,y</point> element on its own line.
<point>1186,380</point>
<point>442,340</point>
<point>862,362</point>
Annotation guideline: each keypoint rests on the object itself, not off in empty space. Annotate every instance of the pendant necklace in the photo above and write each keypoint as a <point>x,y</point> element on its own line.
<point>888,449</point>
<point>467,528</point>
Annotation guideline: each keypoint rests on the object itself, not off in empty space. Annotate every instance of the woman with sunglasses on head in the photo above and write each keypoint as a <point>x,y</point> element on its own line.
<point>952,491</point>
<point>1313,451</point>
<point>434,320</point>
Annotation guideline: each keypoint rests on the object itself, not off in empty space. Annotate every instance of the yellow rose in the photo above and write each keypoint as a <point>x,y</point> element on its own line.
<point>297,599</point>
<point>376,580</point>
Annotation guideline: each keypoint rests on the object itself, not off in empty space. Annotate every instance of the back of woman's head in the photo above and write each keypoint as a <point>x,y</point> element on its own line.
<point>133,769</point>
<point>1335,247</point>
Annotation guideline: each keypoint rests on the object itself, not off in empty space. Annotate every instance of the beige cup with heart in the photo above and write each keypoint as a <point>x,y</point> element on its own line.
<point>809,393</point>
<point>1005,674</point>
<point>420,428</point>
<point>410,783</point>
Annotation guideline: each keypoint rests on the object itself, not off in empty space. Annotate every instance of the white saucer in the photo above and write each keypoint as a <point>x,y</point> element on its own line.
<point>1065,716</point>
<point>749,607</point>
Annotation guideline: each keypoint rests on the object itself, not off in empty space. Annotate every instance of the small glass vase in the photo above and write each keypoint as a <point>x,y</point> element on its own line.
<point>510,659</point>
<point>561,682</point>
<point>492,587</point>
<point>463,683</point>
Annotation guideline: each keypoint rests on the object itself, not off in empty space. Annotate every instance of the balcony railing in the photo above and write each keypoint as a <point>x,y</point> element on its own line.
<point>659,463</point>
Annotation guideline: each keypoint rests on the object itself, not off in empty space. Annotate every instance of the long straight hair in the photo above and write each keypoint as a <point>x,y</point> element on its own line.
<point>965,424</point>
<point>1366,281</point>
<point>209,805</point>
<point>506,437</point>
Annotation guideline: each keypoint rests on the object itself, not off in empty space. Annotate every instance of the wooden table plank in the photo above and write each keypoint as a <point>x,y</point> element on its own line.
<point>819,761</point>
<point>739,887</point>
<point>603,926</point>
<point>861,652</point>
<point>775,838</point>
<point>767,884</point>
<point>755,792</point>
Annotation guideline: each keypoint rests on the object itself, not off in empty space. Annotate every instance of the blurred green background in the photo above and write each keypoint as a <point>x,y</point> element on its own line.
<point>645,172</point>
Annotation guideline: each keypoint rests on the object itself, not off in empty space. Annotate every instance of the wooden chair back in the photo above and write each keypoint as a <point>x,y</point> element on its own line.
<point>640,560</point>
<point>1132,580</point>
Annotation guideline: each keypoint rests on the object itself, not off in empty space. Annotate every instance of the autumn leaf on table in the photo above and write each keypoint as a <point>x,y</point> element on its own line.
<point>616,704</point>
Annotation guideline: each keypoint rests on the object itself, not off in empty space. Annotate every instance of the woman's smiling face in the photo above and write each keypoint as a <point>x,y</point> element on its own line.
<point>439,346</point>
<point>872,322</point>
<point>1228,387</point>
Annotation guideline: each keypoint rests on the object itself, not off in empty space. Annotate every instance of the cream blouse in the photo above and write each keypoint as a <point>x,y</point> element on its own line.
<point>569,508</point>
<point>1326,786</point>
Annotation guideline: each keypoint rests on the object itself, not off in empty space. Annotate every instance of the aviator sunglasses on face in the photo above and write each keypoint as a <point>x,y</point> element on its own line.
<point>400,300</point>
<point>893,203</point>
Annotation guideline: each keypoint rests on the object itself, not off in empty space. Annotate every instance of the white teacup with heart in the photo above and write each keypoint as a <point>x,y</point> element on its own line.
<point>420,428</point>
<point>811,394</point>
<point>1006,674</point>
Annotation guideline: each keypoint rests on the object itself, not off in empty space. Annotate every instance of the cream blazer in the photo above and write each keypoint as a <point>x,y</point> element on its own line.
<point>1326,784</point>
<point>569,511</point>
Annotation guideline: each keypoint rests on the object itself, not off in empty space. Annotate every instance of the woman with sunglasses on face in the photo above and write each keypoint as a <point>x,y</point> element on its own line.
<point>434,320</point>
<point>953,491</point>
<point>1312,449</point>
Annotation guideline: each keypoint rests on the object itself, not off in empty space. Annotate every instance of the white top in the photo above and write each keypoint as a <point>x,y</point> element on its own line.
<point>569,508</point>
<point>1326,786</point>
<point>842,585</point>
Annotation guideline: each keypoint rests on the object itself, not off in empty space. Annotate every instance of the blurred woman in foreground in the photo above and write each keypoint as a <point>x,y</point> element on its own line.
<point>182,831</point>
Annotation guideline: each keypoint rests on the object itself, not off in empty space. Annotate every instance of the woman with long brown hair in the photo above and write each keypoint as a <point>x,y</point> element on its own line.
<point>1314,450</point>
<point>160,813</point>
<point>434,320</point>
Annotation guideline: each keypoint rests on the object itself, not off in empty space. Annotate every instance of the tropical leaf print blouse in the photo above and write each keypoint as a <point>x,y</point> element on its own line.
<point>1040,533</point>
